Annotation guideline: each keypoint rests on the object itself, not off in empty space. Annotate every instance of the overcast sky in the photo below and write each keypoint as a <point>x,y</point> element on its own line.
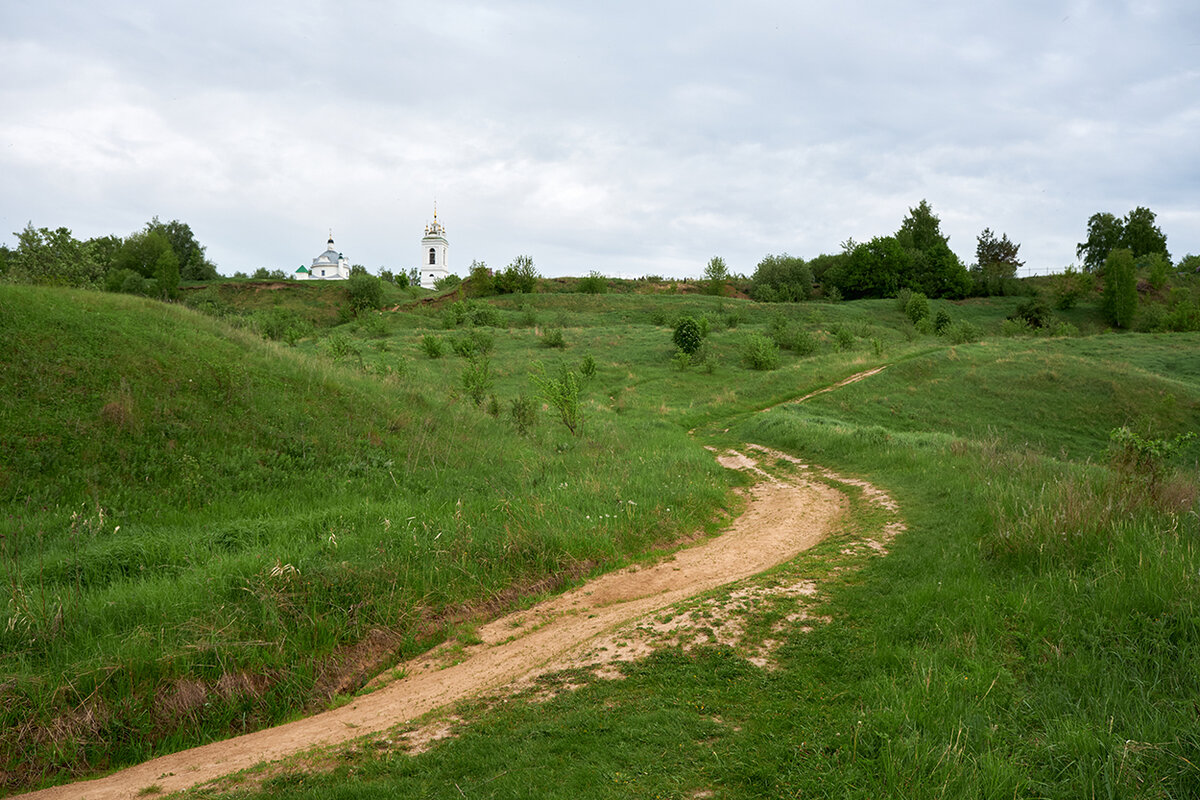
<point>630,138</point>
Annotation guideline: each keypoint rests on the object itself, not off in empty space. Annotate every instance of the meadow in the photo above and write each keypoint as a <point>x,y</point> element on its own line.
<point>206,532</point>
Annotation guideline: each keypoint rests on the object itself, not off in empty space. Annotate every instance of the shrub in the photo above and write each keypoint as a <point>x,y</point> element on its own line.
<point>1015,327</point>
<point>845,338</point>
<point>553,337</point>
<point>593,283</point>
<point>1142,458</point>
<point>941,320</point>
<point>523,413</point>
<point>917,307</point>
<point>364,292</point>
<point>340,347</point>
<point>446,282</point>
<point>781,279</point>
<point>562,393</point>
<point>432,345</point>
<point>902,298</point>
<point>519,276</point>
<point>473,343</point>
<point>688,335</point>
<point>658,316</point>
<point>477,378</point>
<point>1034,311</point>
<point>587,367</point>
<point>961,332</point>
<point>375,326</point>
<point>759,352</point>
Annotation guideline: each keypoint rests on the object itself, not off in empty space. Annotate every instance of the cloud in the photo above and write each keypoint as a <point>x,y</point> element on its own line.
<point>630,139</point>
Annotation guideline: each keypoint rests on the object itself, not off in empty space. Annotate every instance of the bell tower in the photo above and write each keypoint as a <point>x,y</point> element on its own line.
<point>435,251</point>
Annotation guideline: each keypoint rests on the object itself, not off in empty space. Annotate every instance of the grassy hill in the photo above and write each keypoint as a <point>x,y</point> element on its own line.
<point>206,533</point>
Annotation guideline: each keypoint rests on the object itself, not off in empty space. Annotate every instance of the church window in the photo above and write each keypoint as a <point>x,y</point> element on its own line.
<point>432,256</point>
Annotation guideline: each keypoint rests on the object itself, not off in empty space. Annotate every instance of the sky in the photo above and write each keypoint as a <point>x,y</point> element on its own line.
<point>627,138</point>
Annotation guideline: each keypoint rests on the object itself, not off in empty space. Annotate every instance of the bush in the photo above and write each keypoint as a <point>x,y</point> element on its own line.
<point>688,335</point>
<point>432,345</point>
<point>917,307</point>
<point>446,282</point>
<point>845,338</point>
<point>562,393</point>
<point>553,337</point>
<point>593,283</point>
<point>941,320</point>
<point>473,343</point>
<point>1142,458</point>
<point>477,378</point>
<point>961,332</point>
<point>1034,311</point>
<point>519,276</point>
<point>759,352</point>
<point>587,367</point>
<point>902,298</point>
<point>794,337</point>
<point>364,292</point>
<point>523,413</point>
<point>781,279</point>
<point>1015,327</point>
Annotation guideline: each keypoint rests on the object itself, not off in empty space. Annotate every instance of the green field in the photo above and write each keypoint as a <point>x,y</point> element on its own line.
<point>204,531</point>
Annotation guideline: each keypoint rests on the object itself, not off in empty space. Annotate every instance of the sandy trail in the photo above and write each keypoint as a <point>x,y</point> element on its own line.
<point>783,518</point>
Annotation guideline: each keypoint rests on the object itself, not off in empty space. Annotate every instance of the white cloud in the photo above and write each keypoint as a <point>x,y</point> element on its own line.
<point>630,138</point>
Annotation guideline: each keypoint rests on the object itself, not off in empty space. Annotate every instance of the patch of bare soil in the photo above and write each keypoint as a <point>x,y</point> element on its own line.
<point>595,623</point>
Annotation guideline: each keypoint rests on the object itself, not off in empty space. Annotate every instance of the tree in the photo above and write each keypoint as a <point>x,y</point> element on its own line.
<point>716,273</point>
<point>877,268</point>
<point>1141,236</point>
<point>193,265</point>
<point>1136,232</point>
<point>53,257</point>
<point>481,280</point>
<point>105,250</point>
<point>1119,302</point>
<point>996,262</point>
<point>140,252</point>
<point>934,268</point>
<point>414,276</point>
<point>166,274</point>
<point>1104,233</point>
<point>781,278</point>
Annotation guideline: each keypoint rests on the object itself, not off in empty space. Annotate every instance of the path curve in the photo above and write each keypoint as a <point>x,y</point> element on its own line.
<point>782,519</point>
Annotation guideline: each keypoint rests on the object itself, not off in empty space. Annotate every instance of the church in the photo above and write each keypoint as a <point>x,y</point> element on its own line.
<point>434,252</point>
<point>433,266</point>
<point>329,266</point>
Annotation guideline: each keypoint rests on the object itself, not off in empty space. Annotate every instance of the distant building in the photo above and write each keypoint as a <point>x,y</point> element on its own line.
<point>329,266</point>
<point>434,253</point>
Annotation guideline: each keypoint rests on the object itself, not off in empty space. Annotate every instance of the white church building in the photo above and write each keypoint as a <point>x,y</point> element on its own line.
<point>329,266</point>
<point>434,253</point>
<point>433,266</point>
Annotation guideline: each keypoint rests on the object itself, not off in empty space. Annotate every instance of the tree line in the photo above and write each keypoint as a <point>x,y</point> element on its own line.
<point>917,258</point>
<point>151,261</point>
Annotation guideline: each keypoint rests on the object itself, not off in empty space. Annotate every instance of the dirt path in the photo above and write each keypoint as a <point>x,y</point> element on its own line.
<point>783,518</point>
<point>852,379</point>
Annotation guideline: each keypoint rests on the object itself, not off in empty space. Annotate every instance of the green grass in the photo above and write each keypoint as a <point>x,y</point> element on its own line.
<point>1034,633</point>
